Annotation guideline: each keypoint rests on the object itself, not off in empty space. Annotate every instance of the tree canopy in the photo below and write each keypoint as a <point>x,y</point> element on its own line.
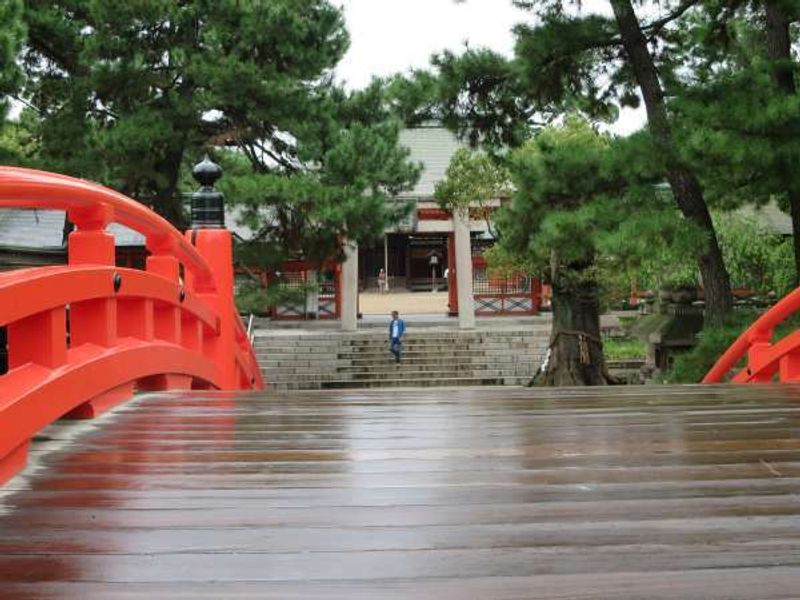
<point>739,105</point>
<point>349,195</point>
<point>569,59</point>
<point>130,94</point>
<point>127,92</point>
<point>475,181</point>
<point>11,36</point>
<point>585,208</point>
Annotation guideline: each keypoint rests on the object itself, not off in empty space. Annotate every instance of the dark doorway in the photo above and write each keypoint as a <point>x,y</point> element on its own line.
<point>427,260</point>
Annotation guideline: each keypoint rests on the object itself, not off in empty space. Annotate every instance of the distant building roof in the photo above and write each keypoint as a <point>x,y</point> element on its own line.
<point>433,146</point>
<point>233,214</point>
<point>770,217</point>
<point>30,228</point>
<point>34,229</point>
<point>44,229</point>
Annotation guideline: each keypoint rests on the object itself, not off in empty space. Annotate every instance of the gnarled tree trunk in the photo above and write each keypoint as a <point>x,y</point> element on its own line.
<point>576,349</point>
<point>685,185</point>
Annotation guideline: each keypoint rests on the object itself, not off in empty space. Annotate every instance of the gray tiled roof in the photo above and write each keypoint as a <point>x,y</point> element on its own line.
<point>433,146</point>
<point>34,228</point>
<point>44,229</point>
<point>23,228</point>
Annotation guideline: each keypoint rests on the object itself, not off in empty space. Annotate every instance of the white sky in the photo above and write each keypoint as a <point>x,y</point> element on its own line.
<point>394,36</point>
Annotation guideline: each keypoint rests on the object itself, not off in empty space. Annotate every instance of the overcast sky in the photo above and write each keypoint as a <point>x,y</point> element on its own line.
<point>391,36</point>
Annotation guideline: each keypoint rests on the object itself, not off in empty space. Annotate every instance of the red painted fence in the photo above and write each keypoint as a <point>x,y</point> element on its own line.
<point>84,336</point>
<point>764,360</point>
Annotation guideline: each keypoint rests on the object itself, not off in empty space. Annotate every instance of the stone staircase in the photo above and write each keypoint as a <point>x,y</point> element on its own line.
<point>304,360</point>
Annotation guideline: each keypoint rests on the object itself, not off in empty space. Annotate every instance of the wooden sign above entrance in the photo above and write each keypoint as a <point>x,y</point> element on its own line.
<point>433,214</point>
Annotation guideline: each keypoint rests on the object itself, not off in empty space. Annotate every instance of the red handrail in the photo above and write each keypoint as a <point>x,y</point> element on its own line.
<point>764,358</point>
<point>90,204</point>
<point>84,336</point>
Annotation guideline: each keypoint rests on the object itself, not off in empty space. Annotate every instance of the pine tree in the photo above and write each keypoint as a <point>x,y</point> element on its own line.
<point>740,106</point>
<point>347,195</point>
<point>11,37</point>
<point>128,92</point>
<point>584,206</point>
<point>594,64</point>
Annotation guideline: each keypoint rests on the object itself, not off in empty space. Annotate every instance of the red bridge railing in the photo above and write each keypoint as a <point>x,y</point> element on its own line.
<point>86,335</point>
<point>764,359</point>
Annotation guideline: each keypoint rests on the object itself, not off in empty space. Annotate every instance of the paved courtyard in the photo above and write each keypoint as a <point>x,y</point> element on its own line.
<point>407,303</point>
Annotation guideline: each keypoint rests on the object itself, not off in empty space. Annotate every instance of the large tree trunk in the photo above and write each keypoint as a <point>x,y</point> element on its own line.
<point>576,350</point>
<point>685,185</point>
<point>779,50</point>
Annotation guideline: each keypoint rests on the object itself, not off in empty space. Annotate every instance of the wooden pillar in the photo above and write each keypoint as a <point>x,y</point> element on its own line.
<point>386,259</point>
<point>452,282</point>
<point>466,307</point>
<point>350,287</point>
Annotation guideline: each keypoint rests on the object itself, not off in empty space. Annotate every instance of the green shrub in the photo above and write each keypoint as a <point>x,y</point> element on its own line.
<point>616,349</point>
<point>755,257</point>
<point>252,298</point>
<point>691,366</point>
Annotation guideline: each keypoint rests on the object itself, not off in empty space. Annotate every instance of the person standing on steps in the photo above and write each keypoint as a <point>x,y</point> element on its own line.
<point>382,281</point>
<point>396,330</point>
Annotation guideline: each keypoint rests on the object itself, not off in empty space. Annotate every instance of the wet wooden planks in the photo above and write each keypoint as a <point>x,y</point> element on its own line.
<point>618,493</point>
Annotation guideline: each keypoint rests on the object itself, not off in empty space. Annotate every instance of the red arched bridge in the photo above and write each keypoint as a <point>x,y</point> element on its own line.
<point>192,491</point>
<point>84,336</point>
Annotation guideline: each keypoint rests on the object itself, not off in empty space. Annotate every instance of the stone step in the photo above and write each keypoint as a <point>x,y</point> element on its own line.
<point>449,382</point>
<point>428,366</point>
<point>392,375</point>
<point>295,348</point>
<point>414,333</point>
<point>281,371</point>
<point>382,353</point>
<point>290,343</point>
<point>350,365</point>
<point>453,354</point>
<point>448,374</point>
<point>458,382</point>
<point>422,365</point>
<point>430,357</point>
<point>299,363</point>
<point>469,336</point>
<point>392,367</point>
<point>383,343</point>
<point>438,345</point>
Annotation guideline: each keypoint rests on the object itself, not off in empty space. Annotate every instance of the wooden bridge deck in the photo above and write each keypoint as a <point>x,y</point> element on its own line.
<point>462,494</point>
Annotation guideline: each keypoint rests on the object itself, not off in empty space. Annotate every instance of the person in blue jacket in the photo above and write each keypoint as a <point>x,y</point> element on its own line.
<point>396,330</point>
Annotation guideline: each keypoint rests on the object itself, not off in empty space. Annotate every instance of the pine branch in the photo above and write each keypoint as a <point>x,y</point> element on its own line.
<point>655,27</point>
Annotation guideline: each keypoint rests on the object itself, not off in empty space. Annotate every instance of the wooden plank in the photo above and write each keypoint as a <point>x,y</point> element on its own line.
<point>700,584</point>
<point>621,493</point>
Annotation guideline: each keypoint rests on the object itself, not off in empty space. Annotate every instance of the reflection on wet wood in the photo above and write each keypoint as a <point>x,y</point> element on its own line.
<point>486,493</point>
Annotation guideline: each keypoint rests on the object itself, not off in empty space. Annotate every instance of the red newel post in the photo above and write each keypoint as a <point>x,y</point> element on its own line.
<point>215,244</point>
